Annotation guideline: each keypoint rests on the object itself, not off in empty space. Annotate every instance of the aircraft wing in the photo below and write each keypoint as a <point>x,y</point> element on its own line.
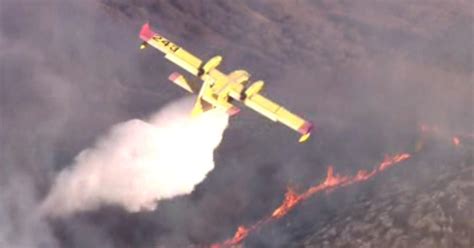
<point>276,112</point>
<point>173,52</point>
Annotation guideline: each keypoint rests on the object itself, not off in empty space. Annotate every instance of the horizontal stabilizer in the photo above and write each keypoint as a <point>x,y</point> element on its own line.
<point>180,80</point>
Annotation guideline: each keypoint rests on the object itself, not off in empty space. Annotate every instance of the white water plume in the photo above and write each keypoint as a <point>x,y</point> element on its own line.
<point>139,162</point>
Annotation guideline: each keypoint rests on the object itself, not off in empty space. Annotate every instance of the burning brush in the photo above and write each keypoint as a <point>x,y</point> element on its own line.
<point>292,198</point>
<point>334,181</point>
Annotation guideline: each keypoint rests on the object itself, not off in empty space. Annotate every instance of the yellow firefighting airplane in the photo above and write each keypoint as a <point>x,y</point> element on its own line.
<point>218,89</point>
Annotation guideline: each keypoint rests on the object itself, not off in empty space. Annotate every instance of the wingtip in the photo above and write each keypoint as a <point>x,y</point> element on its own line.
<point>306,127</point>
<point>233,111</point>
<point>305,131</point>
<point>146,33</point>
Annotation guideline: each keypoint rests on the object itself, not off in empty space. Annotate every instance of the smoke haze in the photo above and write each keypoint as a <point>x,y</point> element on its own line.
<point>366,72</point>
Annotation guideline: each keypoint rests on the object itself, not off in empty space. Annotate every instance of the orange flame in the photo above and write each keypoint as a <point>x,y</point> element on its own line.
<point>435,130</point>
<point>239,235</point>
<point>455,138</point>
<point>292,199</point>
<point>429,129</point>
<point>456,141</point>
<point>331,182</point>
